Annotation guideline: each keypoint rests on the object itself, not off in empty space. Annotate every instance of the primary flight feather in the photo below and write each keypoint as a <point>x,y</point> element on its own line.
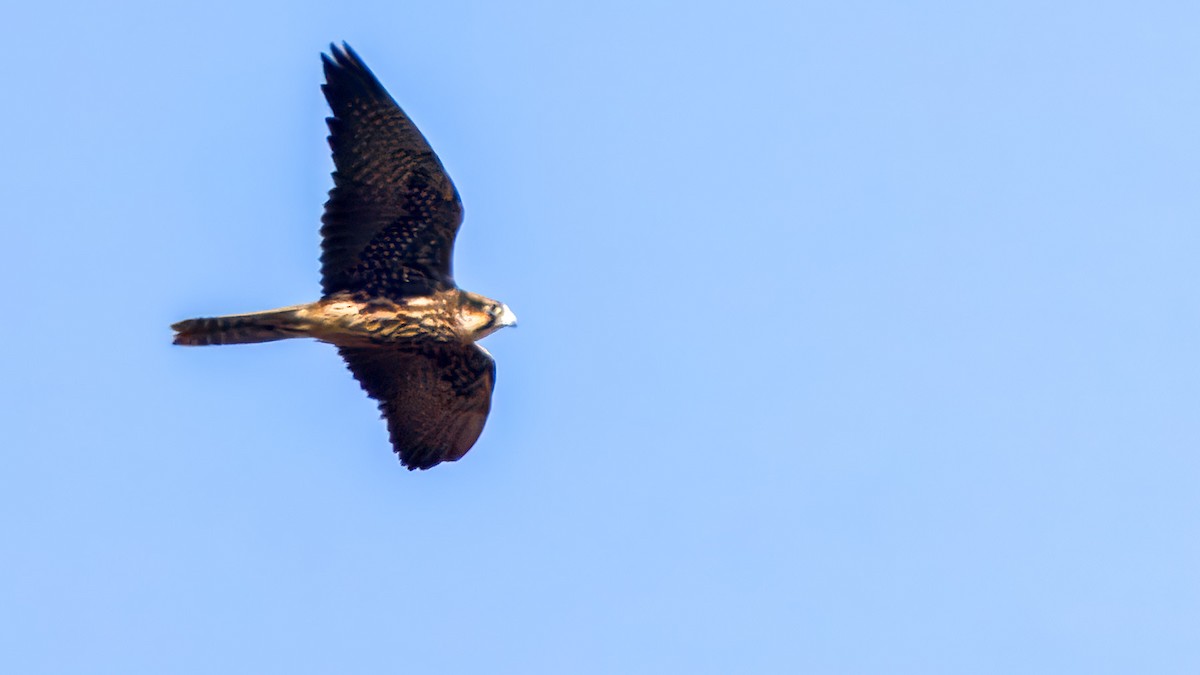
<point>389,302</point>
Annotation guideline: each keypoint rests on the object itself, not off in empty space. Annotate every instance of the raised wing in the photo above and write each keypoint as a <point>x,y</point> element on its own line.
<point>435,401</point>
<point>392,215</point>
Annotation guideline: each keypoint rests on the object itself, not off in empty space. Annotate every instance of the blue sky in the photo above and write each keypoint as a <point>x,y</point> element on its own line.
<point>855,337</point>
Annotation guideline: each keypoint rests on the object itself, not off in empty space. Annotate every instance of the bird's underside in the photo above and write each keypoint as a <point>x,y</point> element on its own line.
<point>390,304</point>
<point>342,319</point>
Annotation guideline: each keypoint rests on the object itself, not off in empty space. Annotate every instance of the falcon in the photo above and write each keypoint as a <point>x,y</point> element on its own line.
<point>389,303</point>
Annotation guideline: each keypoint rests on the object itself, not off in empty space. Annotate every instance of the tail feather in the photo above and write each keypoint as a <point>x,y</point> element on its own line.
<point>276,324</point>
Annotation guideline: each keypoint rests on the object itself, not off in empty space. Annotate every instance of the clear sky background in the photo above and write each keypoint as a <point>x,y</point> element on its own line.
<point>856,337</point>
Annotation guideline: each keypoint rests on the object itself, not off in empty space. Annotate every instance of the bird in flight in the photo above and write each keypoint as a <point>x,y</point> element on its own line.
<point>389,303</point>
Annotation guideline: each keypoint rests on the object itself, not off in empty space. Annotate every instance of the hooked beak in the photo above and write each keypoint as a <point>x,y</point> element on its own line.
<point>507,318</point>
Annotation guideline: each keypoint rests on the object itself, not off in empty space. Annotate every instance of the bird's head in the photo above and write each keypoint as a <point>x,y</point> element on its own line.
<point>479,317</point>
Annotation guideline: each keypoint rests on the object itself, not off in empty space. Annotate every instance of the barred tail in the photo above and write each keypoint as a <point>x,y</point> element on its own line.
<point>235,329</point>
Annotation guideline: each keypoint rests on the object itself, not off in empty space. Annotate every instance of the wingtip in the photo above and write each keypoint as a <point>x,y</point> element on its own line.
<point>345,68</point>
<point>351,55</point>
<point>422,459</point>
<point>338,57</point>
<point>343,55</point>
<point>419,463</point>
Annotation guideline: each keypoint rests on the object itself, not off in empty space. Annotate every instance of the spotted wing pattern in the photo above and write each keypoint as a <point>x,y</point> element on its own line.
<point>435,397</point>
<point>393,213</point>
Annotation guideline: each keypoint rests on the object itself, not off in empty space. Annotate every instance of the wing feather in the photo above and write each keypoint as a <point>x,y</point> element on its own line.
<point>393,213</point>
<point>435,400</point>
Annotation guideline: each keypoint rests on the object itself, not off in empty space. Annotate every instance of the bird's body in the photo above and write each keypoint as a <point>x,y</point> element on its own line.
<point>390,303</point>
<point>354,320</point>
